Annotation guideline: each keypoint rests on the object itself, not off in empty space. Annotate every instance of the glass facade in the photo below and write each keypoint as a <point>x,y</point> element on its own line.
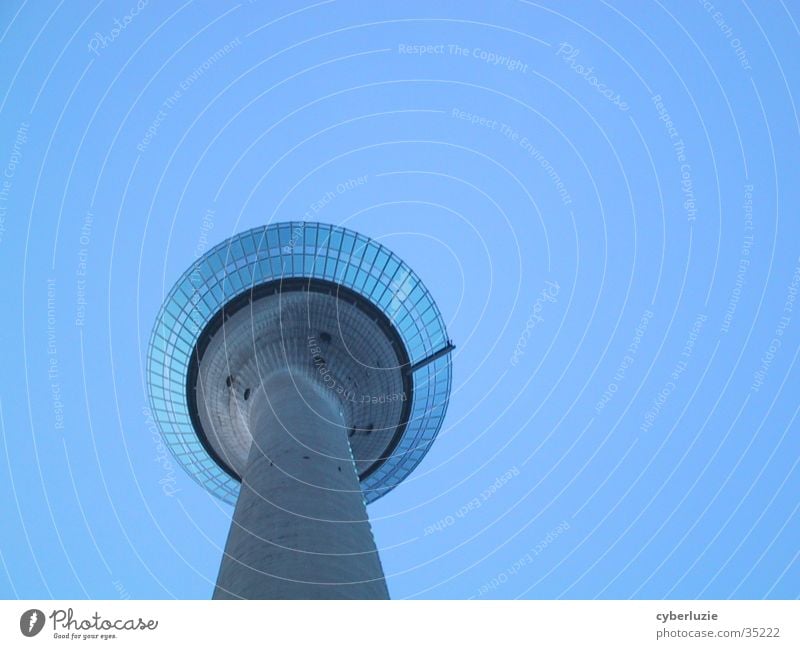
<point>291,250</point>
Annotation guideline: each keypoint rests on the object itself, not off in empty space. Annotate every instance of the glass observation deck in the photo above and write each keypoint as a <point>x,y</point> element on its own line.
<point>295,250</point>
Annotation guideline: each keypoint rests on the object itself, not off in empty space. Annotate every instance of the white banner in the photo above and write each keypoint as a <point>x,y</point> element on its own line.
<point>400,624</point>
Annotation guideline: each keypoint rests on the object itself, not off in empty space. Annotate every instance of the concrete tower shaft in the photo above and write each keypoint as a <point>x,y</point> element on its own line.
<point>300,529</point>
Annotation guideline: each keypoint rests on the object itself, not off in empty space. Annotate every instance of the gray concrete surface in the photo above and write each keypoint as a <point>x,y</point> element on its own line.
<point>300,528</point>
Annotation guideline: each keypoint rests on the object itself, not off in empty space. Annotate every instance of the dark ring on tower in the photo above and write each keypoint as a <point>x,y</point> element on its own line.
<point>299,284</point>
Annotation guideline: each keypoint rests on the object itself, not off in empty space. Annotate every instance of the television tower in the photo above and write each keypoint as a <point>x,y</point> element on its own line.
<point>299,371</point>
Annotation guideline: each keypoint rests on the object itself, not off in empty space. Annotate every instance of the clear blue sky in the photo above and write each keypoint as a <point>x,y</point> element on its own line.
<point>601,196</point>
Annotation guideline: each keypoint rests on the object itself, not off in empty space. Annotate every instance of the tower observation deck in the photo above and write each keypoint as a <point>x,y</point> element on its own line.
<point>299,371</point>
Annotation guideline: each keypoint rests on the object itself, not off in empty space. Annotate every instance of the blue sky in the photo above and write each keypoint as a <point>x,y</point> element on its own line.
<point>601,196</point>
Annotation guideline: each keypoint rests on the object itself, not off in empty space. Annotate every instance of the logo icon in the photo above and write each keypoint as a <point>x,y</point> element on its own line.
<point>31,622</point>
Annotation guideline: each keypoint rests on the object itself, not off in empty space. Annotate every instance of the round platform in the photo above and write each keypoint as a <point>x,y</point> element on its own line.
<point>323,300</point>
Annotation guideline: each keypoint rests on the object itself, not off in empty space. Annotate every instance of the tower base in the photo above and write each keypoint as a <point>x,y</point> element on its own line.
<point>300,528</point>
